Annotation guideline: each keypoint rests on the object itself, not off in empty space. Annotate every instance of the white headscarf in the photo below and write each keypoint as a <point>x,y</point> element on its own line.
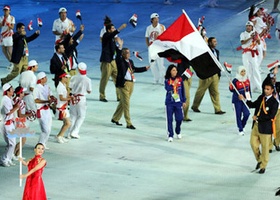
<point>238,74</point>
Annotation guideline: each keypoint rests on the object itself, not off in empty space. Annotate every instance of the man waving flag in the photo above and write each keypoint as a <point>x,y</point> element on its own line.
<point>183,38</point>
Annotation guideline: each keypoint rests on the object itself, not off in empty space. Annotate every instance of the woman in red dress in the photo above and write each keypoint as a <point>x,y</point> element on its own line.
<point>34,186</point>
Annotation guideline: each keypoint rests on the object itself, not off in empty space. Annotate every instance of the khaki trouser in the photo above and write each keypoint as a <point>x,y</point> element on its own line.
<point>107,70</point>
<point>124,104</point>
<point>73,72</point>
<point>187,86</point>
<point>17,69</point>
<point>212,84</point>
<point>277,127</point>
<point>258,139</point>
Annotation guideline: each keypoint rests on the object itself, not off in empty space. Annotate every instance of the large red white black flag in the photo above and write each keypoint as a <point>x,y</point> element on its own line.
<point>182,37</point>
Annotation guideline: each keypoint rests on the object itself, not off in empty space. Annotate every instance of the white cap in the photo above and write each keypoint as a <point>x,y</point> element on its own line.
<point>32,63</point>
<point>249,23</point>
<point>41,75</point>
<point>6,7</point>
<point>6,86</point>
<point>82,68</point>
<point>255,10</point>
<point>153,15</point>
<point>62,9</point>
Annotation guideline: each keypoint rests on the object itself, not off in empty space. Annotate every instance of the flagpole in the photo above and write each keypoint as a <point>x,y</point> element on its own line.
<point>215,59</point>
<point>20,163</point>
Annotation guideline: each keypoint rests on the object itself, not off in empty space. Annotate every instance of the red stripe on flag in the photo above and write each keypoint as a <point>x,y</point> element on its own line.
<point>176,31</point>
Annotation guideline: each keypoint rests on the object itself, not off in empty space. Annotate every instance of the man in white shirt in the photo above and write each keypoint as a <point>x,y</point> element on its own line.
<point>7,23</point>
<point>43,98</point>
<point>80,85</point>
<point>7,112</point>
<point>249,43</point>
<point>28,80</point>
<point>62,25</point>
<point>152,32</point>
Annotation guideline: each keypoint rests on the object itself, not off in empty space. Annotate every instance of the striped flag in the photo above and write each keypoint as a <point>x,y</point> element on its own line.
<point>183,37</point>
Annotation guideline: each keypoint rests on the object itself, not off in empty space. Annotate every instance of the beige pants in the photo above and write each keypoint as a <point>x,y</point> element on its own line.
<point>124,104</point>
<point>187,86</point>
<point>107,70</point>
<point>17,69</point>
<point>277,127</point>
<point>258,139</point>
<point>212,84</point>
<point>73,72</point>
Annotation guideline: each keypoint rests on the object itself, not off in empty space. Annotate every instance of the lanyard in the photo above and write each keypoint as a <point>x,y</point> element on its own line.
<point>262,106</point>
<point>174,86</point>
<point>130,70</point>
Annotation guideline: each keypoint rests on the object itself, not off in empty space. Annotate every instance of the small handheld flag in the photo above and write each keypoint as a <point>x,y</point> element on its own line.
<point>188,73</point>
<point>271,66</point>
<point>136,54</point>
<point>29,27</point>
<point>39,22</point>
<point>200,23</point>
<point>228,67</point>
<point>79,16</point>
<point>133,20</point>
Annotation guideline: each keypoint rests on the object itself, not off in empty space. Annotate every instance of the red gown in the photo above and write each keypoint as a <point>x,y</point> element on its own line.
<point>34,186</point>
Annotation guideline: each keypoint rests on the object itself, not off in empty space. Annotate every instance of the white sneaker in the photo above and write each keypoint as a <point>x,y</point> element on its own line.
<point>170,139</point>
<point>65,140</point>
<point>179,136</point>
<point>59,139</point>
<point>5,164</point>
<point>11,163</point>
<point>14,158</point>
<point>75,136</point>
<point>241,133</point>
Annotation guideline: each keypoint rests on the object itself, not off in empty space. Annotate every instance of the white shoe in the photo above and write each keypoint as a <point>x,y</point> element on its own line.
<point>170,139</point>
<point>179,136</point>
<point>241,133</point>
<point>65,140</point>
<point>75,136</point>
<point>5,164</point>
<point>14,158</point>
<point>59,139</point>
<point>11,163</point>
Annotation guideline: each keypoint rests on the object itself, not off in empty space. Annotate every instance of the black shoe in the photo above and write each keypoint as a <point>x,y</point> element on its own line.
<point>53,108</point>
<point>270,150</point>
<point>103,100</point>
<point>195,109</point>
<point>262,171</point>
<point>277,148</point>
<point>187,120</point>
<point>277,192</point>
<point>258,165</point>
<point>115,122</point>
<point>220,112</point>
<point>130,127</point>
